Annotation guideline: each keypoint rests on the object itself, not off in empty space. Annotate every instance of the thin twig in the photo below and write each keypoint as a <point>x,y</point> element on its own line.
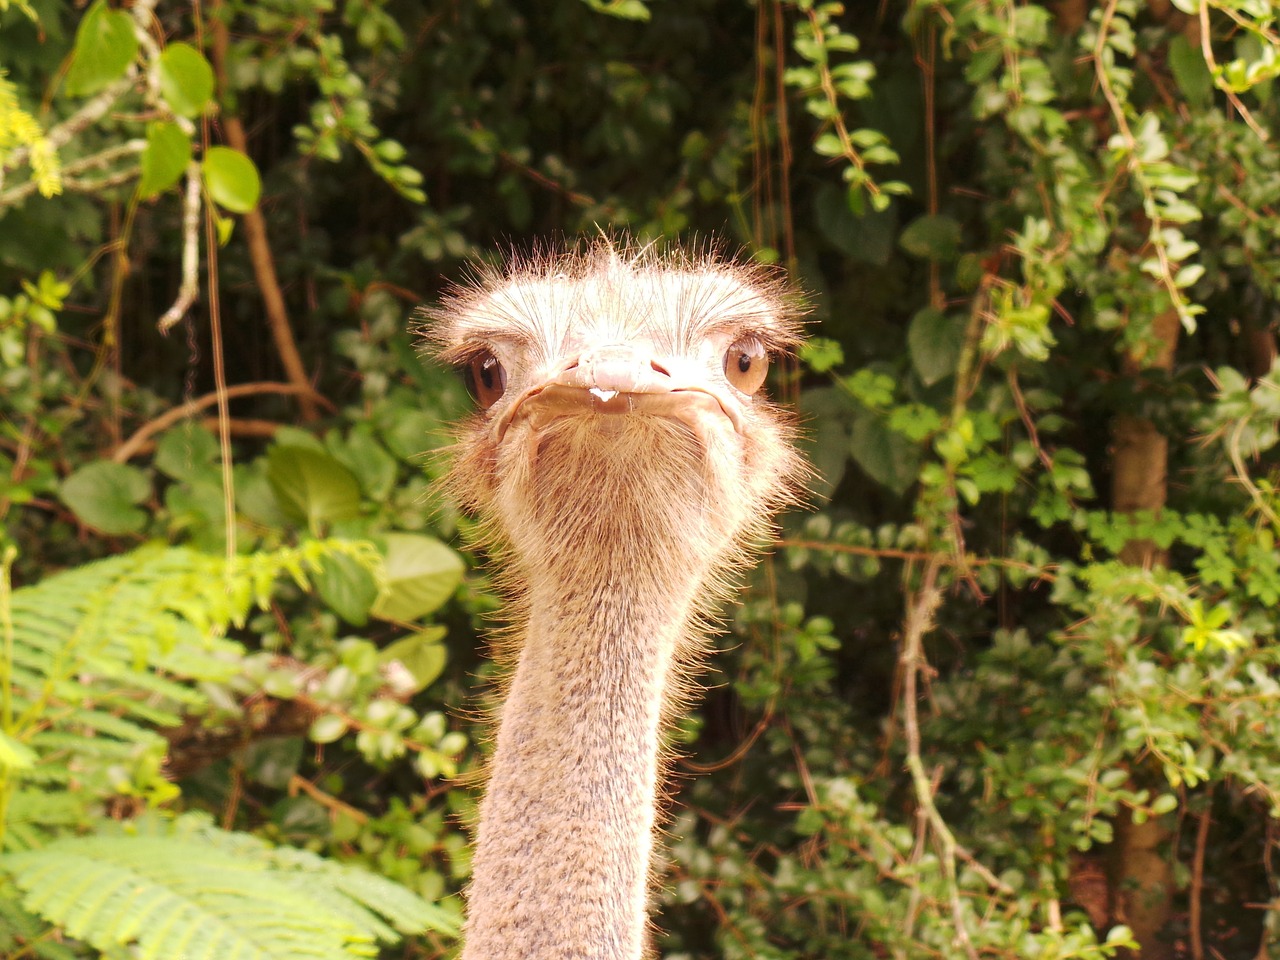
<point>131,447</point>
<point>947,559</point>
<point>96,161</point>
<point>1242,474</point>
<point>328,801</point>
<point>1021,402</point>
<point>190,287</point>
<point>1206,48</point>
<point>784,140</point>
<point>848,150</point>
<point>919,621</point>
<point>1133,165</point>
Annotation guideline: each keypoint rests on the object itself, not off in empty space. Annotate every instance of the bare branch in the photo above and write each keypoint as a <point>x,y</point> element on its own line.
<point>190,288</point>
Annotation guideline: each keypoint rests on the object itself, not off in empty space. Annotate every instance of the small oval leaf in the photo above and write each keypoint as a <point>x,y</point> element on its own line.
<point>231,179</point>
<point>886,456</point>
<point>167,154</point>
<point>327,728</point>
<point>421,654</point>
<point>935,342</point>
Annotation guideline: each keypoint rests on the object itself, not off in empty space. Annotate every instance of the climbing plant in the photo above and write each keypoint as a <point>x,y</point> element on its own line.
<point>1007,686</point>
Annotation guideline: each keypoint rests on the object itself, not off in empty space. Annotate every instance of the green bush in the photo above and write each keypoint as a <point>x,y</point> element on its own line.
<point>1007,688</point>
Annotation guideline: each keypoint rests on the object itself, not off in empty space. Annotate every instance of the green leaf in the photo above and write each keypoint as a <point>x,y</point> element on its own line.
<point>327,728</point>
<point>935,238</point>
<point>105,46</point>
<point>622,9</point>
<point>935,341</point>
<point>231,179</point>
<point>422,574</point>
<point>199,893</point>
<point>827,412</point>
<point>421,653</point>
<point>273,761</point>
<point>884,454</point>
<point>186,79</point>
<point>347,587</point>
<point>821,354</point>
<point>167,154</point>
<point>364,456</point>
<point>187,452</point>
<point>312,487</point>
<point>105,495</point>
<point>868,237</point>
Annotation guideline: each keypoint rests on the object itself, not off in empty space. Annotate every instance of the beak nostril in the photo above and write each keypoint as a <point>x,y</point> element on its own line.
<point>660,368</point>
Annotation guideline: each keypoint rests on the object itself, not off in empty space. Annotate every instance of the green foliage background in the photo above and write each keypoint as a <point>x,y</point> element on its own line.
<point>1008,688</point>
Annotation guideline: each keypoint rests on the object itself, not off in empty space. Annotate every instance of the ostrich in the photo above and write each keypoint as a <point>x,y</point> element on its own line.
<point>622,465</point>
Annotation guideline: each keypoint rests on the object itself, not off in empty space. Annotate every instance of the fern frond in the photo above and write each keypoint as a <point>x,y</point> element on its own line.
<point>33,813</point>
<point>105,654</point>
<point>98,659</point>
<point>22,934</point>
<point>187,889</point>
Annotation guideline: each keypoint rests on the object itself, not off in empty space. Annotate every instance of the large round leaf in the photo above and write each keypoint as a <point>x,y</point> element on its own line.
<point>231,179</point>
<point>187,452</point>
<point>106,495</point>
<point>364,456</point>
<point>347,587</point>
<point>186,79</point>
<point>888,457</point>
<point>932,237</point>
<point>312,487</point>
<point>935,341</point>
<point>422,573</point>
<point>105,46</point>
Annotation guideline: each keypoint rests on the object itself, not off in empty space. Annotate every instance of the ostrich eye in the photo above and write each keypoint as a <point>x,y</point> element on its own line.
<point>746,363</point>
<point>486,380</point>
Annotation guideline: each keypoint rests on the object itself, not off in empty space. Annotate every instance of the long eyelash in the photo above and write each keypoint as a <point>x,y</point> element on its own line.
<point>464,353</point>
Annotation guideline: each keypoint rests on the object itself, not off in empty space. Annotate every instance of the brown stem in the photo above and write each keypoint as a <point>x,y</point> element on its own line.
<point>1071,14</point>
<point>1197,883</point>
<point>255,229</point>
<point>335,806</point>
<point>135,444</point>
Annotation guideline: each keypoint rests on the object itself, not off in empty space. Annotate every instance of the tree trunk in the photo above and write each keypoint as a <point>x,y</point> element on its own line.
<point>1142,867</point>
<point>1071,14</point>
<point>264,268</point>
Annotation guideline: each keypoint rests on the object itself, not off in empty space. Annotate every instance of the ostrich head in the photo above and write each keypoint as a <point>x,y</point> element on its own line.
<point>624,460</point>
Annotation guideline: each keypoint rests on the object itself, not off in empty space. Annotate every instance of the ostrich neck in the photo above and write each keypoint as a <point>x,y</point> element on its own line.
<point>562,858</point>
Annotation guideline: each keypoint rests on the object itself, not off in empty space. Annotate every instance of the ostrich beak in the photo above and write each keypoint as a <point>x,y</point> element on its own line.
<point>620,380</point>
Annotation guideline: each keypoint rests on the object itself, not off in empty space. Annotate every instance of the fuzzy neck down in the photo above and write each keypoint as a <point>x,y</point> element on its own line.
<point>611,572</point>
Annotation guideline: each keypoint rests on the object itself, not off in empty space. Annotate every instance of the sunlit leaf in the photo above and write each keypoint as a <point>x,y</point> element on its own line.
<point>186,79</point>
<point>231,179</point>
<point>421,572</point>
